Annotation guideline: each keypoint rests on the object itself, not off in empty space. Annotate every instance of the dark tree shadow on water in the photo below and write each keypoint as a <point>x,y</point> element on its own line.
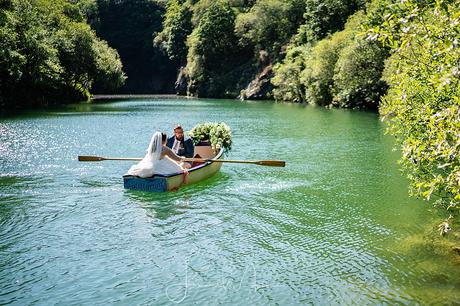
<point>163,205</point>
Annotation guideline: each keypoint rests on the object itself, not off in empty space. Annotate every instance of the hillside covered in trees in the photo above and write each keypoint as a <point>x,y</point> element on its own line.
<point>287,50</point>
<point>238,48</point>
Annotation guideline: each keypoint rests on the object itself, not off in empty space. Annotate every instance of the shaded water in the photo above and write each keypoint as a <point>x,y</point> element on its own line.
<point>334,227</point>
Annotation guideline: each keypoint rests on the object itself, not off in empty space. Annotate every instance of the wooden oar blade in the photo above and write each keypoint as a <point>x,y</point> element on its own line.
<point>272,163</point>
<point>85,158</point>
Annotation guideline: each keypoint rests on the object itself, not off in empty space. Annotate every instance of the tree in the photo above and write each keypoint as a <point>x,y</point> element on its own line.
<point>324,17</point>
<point>270,24</point>
<point>288,86</point>
<point>177,25</point>
<point>318,75</point>
<point>341,70</point>
<point>212,51</point>
<point>90,9</point>
<point>357,75</point>
<point>423,105</point>
<point>48,54</point>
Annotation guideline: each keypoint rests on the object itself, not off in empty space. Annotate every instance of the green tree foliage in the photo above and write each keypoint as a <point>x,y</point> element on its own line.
<point>199,8</point>
<point>317,77</point>
<point>341,70</point>
<point>270,24</point>
<point>177,25</point>
<point>212,54</point>
<point>85,59</point>
<point>288,86</point>
<point>324,17</point>
<point>357,75</point>
<point>107,62</point>
<point>48,55</point>
<point>90,10</point>
<point>423,105</point>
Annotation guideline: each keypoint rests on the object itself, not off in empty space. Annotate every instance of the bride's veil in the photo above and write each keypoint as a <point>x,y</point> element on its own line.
<point>146,167</point>
<point>154,149</point>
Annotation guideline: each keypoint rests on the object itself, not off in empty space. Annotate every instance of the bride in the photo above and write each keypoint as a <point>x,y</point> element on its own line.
<point>159,159</point>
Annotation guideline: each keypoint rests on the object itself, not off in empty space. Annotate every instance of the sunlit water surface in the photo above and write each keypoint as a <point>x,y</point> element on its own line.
<point>334,227</point>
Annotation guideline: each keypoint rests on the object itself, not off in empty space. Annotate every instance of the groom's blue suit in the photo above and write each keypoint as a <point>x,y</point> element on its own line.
<point>186,146</point>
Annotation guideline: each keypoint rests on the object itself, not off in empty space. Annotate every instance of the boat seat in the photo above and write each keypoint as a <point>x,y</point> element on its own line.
<point>204,152</point>
<point>197,163</point>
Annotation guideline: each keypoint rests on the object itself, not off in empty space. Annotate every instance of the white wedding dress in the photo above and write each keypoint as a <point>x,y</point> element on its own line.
<point>153,162</point>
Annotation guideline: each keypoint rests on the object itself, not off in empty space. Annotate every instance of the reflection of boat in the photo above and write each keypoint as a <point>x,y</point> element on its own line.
<point>159,183</point>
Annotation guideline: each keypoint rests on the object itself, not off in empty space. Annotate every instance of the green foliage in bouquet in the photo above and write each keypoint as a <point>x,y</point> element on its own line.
<point>218,134</point>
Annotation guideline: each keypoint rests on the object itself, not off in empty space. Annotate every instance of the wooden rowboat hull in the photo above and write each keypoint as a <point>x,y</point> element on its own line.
<point>160,183</point>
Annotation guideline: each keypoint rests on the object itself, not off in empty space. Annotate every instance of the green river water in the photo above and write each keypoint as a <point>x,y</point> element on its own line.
<point>334,227</point>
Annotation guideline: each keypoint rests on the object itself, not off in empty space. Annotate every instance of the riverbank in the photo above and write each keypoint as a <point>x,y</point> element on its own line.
<point>136,96</point>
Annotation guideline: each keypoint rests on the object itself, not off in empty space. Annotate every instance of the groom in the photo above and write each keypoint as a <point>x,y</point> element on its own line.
<point>180,146</point>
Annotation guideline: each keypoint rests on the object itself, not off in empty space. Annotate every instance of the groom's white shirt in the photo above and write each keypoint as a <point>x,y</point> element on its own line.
<point>176,146</point>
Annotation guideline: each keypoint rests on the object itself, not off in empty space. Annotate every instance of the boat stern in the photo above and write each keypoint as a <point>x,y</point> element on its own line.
<point>154,184</point>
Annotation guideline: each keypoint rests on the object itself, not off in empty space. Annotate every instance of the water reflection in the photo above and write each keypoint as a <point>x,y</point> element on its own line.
<point>162,205</point>
<point>159,206</point>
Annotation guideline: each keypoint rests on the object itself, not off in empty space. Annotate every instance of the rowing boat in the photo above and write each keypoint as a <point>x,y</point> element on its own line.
<point>161,183</point>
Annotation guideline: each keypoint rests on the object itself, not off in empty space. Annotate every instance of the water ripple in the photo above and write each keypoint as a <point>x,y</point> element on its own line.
<point>334,226</point>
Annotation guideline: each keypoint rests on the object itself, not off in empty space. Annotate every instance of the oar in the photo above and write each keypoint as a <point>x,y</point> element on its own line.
<point>270,163</point>
<point>100,158</point>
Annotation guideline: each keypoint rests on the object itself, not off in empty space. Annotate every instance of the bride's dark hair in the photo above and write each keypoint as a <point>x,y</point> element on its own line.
<point>163,137</point>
